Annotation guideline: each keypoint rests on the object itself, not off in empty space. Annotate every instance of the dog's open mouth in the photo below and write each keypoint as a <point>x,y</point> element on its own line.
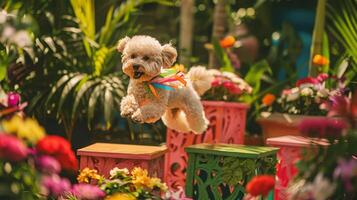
<point>138,74</point>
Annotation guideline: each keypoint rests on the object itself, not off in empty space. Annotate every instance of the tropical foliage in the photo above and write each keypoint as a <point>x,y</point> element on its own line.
<point>77,71</point>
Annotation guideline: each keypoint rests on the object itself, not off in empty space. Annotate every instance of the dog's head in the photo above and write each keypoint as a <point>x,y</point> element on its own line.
<point>143,57</point>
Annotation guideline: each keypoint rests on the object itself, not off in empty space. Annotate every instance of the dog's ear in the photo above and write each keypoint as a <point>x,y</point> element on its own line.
<point>169,55</point>
<point>122,43</point>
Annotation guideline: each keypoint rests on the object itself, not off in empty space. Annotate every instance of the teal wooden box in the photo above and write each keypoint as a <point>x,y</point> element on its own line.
<point>221,171</point>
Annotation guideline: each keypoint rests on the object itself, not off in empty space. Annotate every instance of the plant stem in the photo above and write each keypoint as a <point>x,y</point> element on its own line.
<point>317,37</point>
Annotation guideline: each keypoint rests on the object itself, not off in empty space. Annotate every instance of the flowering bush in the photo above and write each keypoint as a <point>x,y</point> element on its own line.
<point>310,96</point>
<point>123,184</point>
<point>329,172</point>
<point>30,162</point>
<point>226,86</point>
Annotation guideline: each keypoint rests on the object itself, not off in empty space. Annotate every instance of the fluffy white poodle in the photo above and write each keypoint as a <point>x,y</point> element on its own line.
<point>178,104</point>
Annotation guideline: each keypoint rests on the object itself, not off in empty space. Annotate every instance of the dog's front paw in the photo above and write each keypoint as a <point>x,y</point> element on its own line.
<point>126,113</point>
<point>137,117</point>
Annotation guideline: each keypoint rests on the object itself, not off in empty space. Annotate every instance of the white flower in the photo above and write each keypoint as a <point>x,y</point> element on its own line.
<point>229,75</point>
<point>323,93</point>
<point>294,94</point>
<point>307,92</point>
<point>22,39</point>
<point>3,16</point>
<point>215,72</point>
<point>8,32</point>
<point>322,188</point>
<point>115,171</point>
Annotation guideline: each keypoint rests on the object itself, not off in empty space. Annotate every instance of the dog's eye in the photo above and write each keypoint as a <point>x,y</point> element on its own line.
<point>133,56</point>
<point>146,58</point>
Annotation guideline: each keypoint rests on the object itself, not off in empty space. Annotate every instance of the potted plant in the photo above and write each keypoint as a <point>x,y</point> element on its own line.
<point>309,99</point>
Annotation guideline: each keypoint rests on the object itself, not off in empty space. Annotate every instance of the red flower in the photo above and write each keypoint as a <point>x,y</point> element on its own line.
<point>60,149</point>
<point>307,80</point>
<point>261,185</point>
<point>322,127</point>
<point>232,87</point>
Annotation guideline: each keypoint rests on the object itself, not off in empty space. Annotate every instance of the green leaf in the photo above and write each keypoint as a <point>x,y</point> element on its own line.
<point>2,72</point>
<point>255,74</point>
<point>57,86</point>
<point>222,56</point>
<point>92,102</point>
<point>69,86</point>
<point>108,106</point>
<point>79,96</point>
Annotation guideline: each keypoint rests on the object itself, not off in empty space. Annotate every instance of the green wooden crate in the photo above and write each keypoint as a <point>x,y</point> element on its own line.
<point>221,171</point>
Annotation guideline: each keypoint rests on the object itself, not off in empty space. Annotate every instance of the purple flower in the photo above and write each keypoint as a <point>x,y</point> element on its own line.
<point>11,148</point>
<point>54,185</point>
<point>13,99</point>
<point>346,170</point>
<point>322,127</point>
<point>48,164</point>
<point>87,192</point>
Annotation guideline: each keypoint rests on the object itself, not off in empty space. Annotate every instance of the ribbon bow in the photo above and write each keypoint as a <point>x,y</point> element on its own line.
<point>166,77</point>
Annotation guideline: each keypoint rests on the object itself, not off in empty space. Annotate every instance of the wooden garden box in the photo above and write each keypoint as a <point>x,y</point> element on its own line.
<point>105,156</point>
<point>227,125</point>
<point>221,171</point>
<point>289,153</point>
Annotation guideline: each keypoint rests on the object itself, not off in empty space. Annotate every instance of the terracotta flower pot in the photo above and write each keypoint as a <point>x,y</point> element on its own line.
<point>227,125</point>
<point>281,124</point>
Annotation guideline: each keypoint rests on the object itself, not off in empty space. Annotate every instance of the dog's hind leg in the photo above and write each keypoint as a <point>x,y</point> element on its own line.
<point>195,116</point>
<point>175,119</point>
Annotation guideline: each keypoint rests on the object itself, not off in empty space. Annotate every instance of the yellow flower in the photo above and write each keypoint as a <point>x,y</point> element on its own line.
<point>156,182</point>
<point>121,196</point>
<point>87,174</point>
<point>141,178</point>
<point>139,172</point>
<point>179,67</point>
<point>27,129</point>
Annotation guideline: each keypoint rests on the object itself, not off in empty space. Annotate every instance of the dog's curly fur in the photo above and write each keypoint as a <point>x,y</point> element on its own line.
<point>143,58</point>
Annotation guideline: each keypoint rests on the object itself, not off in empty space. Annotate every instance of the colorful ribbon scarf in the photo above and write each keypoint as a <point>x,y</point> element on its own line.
<point>166,77</point>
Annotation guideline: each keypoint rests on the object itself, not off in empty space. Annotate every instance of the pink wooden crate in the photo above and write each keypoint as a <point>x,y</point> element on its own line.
<point>105,156</point>
<point>289,153</point>
<point>227,125</point>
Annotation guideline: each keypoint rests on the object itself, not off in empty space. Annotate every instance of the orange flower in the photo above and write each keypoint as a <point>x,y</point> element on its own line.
<point>227,42</point>
<point>320,60</point>
<point>268,99</point>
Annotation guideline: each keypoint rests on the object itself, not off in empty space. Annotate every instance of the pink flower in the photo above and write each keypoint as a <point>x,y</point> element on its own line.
<point>343,106</point>
<point>232,87</point>
<point>87,191</point>
<point>307,80</point>
<point>322,77</point>
<point>48,164</point>
<point>346,170</point>
<point>54,185</point>
<point>11,148</point>
<point>216,82</point>
<point>13,99</point>
<point>322,127</point>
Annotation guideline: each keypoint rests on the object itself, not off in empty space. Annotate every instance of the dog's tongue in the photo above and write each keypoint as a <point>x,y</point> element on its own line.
<point>138,75</point>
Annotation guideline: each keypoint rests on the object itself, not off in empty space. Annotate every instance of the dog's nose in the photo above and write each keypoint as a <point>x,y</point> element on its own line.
<point>136,66</point>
